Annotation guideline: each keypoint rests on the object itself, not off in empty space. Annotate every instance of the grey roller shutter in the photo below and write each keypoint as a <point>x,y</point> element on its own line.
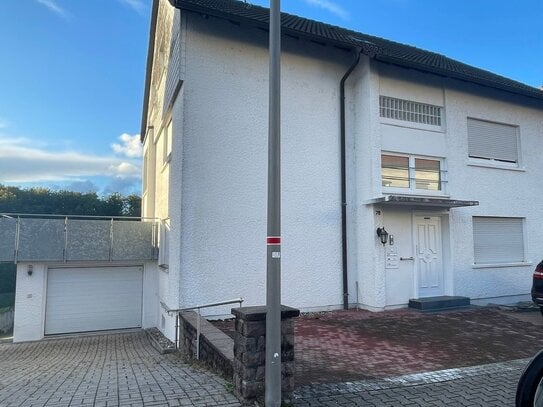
<point>492,141</point>
<point>498,240</point>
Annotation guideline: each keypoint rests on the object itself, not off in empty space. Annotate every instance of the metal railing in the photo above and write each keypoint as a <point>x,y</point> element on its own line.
<point>199,316</point>
<point>62,238</point>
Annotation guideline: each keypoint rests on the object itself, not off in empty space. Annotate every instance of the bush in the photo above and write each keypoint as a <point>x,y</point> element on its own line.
<point>7,300</point>
<point>8,274</point>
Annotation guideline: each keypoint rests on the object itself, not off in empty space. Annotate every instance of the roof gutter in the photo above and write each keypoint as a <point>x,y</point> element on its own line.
<point>148,70</point>
<point>342,115</point>
<point>343,43</point>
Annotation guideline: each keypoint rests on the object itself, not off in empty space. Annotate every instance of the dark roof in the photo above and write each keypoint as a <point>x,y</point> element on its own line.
<point>378,48</point>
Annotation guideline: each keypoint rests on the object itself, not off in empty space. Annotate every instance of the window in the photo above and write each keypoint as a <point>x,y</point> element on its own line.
<point>164,243</point>
<point>492,141</point>
<point>167,143</point>
<point>145,170</point>
<point>413,173</point>
<point>407,110</point>
<point>498,240</point>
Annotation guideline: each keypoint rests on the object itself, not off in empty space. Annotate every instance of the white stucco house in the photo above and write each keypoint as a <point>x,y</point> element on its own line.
<point>375,135</point>
<point>443,155</point>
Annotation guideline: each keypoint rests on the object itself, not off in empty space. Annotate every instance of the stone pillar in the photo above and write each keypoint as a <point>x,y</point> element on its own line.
<point>250,351</point>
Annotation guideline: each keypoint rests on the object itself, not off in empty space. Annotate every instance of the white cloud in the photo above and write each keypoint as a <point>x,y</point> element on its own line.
<point>22,161</point>
<point>331,7</point>
<point>124,169</point>
<point>55,8</point>
<point>130,146</point>
<point>137,5</point>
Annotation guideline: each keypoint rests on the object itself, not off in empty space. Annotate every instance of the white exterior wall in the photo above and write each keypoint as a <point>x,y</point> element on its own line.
<point>501,192</point>
<point>150,306</point>
<point>217,176</point>
<point>223,199</point>
<point>31,295</point>
<point>29,321</point>
<point>163,176</point>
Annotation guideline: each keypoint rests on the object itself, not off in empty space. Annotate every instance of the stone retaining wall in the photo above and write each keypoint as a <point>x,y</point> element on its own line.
<point>216,348</point>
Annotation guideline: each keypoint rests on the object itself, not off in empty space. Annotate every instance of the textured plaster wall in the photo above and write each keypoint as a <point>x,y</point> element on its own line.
<point>155,197</point>
<point>363,183</point>
<point>164,184</point>
<point>150,295</point>
<point>217,176</point>
<point>29,303</point>
<point>223,199</point>
<point>501,191</point>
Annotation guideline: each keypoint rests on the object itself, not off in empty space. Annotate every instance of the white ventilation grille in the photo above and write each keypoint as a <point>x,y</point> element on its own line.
<point>409,111</point>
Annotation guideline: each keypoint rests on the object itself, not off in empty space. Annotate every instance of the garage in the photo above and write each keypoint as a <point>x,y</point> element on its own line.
<point>82,299</point>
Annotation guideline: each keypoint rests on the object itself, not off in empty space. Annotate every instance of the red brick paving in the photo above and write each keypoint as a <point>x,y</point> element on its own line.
<point>355,345</point>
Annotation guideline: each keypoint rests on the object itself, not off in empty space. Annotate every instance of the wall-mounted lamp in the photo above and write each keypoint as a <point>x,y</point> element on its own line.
<point>383,235</point>
<point>30,269</point>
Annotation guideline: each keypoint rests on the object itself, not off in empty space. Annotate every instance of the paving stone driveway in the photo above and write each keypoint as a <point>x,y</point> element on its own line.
<point>354,345</point>
<point>124,370</point>
<point>491,385</point>
<point>104,370</point>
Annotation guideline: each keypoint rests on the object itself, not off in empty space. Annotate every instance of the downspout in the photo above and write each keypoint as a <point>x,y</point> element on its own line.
<point>343,178</point>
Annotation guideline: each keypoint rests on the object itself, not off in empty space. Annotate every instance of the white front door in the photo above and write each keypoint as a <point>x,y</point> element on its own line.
<point>428,256</point>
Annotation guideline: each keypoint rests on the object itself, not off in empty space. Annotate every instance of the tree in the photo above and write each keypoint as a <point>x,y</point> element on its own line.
<point>48,202</point>
<point>133,205</point>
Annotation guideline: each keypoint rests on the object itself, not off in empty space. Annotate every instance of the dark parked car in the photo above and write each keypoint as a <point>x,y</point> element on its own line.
<point>537,286</point>
<point>530,384</point>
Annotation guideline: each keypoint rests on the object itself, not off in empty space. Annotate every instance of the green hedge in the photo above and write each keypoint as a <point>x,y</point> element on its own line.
<point>7,300</point>
<point>8,273</point>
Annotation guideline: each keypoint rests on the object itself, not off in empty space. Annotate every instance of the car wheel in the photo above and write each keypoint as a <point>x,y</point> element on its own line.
<point>530,385</point>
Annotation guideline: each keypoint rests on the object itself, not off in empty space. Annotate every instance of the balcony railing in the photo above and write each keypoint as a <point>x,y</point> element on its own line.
<point>57,238</point>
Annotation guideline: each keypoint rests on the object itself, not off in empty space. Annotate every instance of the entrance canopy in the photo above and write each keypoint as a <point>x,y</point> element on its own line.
<point>421,202</point>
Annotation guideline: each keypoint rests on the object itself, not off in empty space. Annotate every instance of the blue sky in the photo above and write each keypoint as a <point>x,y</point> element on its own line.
<point>72,73</point>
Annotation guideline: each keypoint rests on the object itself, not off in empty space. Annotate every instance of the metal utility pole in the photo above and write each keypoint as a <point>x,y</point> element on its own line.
<point>273,241</point>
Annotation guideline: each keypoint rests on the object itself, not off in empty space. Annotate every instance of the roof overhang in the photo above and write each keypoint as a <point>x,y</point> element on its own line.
<point>421,202</point>
<point>148,70</point>
<point>326,34</point>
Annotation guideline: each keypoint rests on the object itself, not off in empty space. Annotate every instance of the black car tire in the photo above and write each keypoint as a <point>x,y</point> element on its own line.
<point>529,382</point>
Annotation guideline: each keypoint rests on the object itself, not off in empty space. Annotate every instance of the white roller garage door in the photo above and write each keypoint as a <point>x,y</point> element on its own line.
<point>93,299</point>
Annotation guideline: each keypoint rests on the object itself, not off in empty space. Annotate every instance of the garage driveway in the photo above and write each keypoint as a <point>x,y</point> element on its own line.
<point>103,370</point>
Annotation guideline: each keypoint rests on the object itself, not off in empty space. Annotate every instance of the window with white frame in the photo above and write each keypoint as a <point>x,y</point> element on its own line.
<point>498,240</point>
<point>167,143</point>
<point>493,142</point>
<point>145,170</point>
<point>410,111</point>
<point>164,243</point>
<point>412,173</point>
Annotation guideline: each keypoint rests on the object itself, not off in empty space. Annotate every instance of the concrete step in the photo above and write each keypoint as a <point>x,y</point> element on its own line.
<point>443,302</point>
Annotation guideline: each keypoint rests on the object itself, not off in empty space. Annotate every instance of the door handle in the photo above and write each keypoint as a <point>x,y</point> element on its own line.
<point>407,258</point>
